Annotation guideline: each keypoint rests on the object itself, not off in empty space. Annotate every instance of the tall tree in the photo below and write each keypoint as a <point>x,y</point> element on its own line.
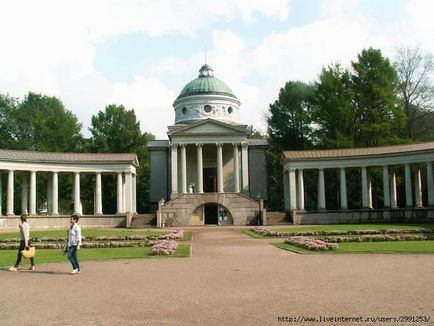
<point>7,107</point>
<point>378,116</point>
<point>116,130</point>
<point>289,127</point>
<point>416,91</point>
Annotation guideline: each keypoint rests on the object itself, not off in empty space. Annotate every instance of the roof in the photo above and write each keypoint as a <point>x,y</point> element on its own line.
<point>257,142</point>
<point>15,155</point>
<point>356,152</point>
<point>206,84</point>
<point>158,143</point>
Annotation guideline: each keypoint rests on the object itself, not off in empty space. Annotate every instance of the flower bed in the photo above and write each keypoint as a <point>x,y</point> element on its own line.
<point>100,244</point>
<point>175,235</point>
<point>377,237</point>
<point>311,243</point>
<point>163,247</point>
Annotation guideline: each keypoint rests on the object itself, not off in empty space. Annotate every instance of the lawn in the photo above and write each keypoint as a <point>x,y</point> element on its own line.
<point>409,247</point>
<point>8,257</point>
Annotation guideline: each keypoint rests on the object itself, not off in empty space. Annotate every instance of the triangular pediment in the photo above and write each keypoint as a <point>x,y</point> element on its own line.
<point>208,126</point>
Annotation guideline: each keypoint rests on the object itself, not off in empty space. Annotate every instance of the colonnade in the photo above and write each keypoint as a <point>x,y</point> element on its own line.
<point>294,187</point>
<point>126,193</point>
<point>180,149</point>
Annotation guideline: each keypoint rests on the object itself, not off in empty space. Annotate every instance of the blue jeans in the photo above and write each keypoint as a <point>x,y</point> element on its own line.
<point>72,257</point>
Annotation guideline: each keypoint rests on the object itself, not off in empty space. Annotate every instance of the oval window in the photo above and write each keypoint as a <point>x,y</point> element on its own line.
<point>207,108</point>
<point>230,110</point>
<point>184,110</point>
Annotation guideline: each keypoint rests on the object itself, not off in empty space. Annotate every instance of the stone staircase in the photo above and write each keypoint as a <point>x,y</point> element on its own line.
<point>142,221</point>
<point>278,218</point>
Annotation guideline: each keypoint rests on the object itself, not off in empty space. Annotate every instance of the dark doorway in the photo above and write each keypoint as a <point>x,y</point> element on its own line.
<point>210,179</point>
<point>211,214</point>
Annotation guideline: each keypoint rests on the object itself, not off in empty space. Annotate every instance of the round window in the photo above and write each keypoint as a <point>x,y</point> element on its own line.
<point>230,110</point>
<point>184,110</point>
<point>207,108</point>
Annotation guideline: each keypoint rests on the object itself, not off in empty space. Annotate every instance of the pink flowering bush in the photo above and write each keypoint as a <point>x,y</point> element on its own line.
<point>377,237</point>
<point>175,235</point>
<point>163,247</point>
<point>311,243</point>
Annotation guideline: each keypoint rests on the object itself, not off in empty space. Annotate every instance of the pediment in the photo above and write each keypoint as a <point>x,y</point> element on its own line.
<point>208,127</point>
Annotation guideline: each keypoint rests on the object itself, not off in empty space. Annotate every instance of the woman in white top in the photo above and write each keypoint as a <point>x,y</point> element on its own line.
<point>74,242</point>
<point>24,243</point>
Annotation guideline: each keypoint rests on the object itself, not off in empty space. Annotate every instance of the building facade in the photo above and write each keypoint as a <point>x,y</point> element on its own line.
<point>208,171</point>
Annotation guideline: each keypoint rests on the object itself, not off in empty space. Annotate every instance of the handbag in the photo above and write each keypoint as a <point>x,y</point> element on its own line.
<point>28,253</point>
<point>64,248</point>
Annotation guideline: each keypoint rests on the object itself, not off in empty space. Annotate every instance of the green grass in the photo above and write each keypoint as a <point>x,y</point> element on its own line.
<point>407,247</point>
<point>8,257</point>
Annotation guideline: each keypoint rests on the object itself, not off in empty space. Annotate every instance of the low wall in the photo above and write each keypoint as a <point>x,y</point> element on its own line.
<point>62,222</point>
<point>417,215</point>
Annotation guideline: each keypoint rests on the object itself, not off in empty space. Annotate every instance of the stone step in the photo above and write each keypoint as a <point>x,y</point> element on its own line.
<point>278,218</point>
<point>143,220</point>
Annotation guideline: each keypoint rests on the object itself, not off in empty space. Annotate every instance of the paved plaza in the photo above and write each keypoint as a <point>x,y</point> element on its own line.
<point>230,279</point>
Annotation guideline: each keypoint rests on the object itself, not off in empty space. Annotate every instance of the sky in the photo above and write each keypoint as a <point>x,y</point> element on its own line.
<point>142,53</point>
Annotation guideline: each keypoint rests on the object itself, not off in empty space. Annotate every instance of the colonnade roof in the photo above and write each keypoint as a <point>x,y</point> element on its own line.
<point>33,156</point>
<point>357,152</point>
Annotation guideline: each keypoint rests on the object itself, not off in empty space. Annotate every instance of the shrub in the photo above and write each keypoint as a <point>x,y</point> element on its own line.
<point>164,247</point>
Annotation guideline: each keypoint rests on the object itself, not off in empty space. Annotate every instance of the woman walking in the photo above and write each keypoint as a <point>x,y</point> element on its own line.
<point>24,243</point>
<point>74,242</point>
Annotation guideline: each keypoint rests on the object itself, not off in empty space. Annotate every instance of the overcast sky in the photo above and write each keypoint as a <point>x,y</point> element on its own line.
<point>142,53</point>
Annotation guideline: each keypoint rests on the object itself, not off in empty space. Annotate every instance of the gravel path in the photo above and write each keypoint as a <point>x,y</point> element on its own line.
<point>230,280</point>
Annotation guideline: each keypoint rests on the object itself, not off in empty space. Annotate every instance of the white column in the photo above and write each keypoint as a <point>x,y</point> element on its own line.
<point>55,188</point>
<point>199,187</point>
<point>98,195</point>
<point>418,188</point>
<point>1,193</point>
<point>49,194</point>
<point>119,207</point>
<point>369,191</point>
<point>343,189</point>
<point>300,190</point>
<point>429,179</point>
<point>285,190</point>
<point>292,190</point>
<point>134,196</point>
<point>321,190</point>
<point>174,167</point>
<point>393,197</point>
<point>386,186</point>
<point>408,190</point>
<point>220,168</point>
<point>236,168</point>
<point>128,188</point>
<point>245,168</point>
<point>183,169</point>
<point>24,194</point>
<point>124,194</point>
<point>365,188</point>
<point>32,208</point>
<point>10,194</point>
<point>77,209</point>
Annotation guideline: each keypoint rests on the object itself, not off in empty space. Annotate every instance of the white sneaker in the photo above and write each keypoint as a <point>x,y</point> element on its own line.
<point>75,271</point>
<point>13,269</point>
<point>32,268</point>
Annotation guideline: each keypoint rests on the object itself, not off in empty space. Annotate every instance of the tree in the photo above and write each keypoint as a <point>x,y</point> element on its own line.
<point>7,107</point>
<point>416,92</point>
<point>333,109</point>
<point>254,133</point>
<point>374,83</point>
<point>116,130</point>
<point>289,127</point>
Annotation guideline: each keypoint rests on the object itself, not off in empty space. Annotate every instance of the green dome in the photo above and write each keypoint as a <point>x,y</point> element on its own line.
<point>206,83</point>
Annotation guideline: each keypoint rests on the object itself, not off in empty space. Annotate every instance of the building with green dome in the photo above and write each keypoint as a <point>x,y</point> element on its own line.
<point>208,171</point>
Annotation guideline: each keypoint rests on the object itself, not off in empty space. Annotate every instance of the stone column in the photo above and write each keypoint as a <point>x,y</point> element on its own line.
<point>77,193</point>
<point>128,188</point>
<point>134,189</point>
<point>24,194</point>
<point>285,190</point>
<point>174,168</point>
<point>32,208</point>
<point>49,194</point>
<point>343,189</point>
<point>408,190</point>
<point>220,167</point>
<point>124,194</point>
<point>119,208</point>
<point>300,190</point>
<point>98,194</point>
<point>365,189</point>
<point>55,188</point>
<point>199,187</point>
<point>245,168</point>
<point>321,190</point>
<point>10,194</point>
<point>236,168</point>
<point>393,198</point>
<point>1,194</point>
<point>292,190</point>
<point>386,187</point>
<point>183,169</point>
<point>418,188</point>
<point>430,181</point>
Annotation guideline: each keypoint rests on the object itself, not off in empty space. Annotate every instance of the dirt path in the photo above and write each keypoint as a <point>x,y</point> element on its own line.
<point>231,279</point>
